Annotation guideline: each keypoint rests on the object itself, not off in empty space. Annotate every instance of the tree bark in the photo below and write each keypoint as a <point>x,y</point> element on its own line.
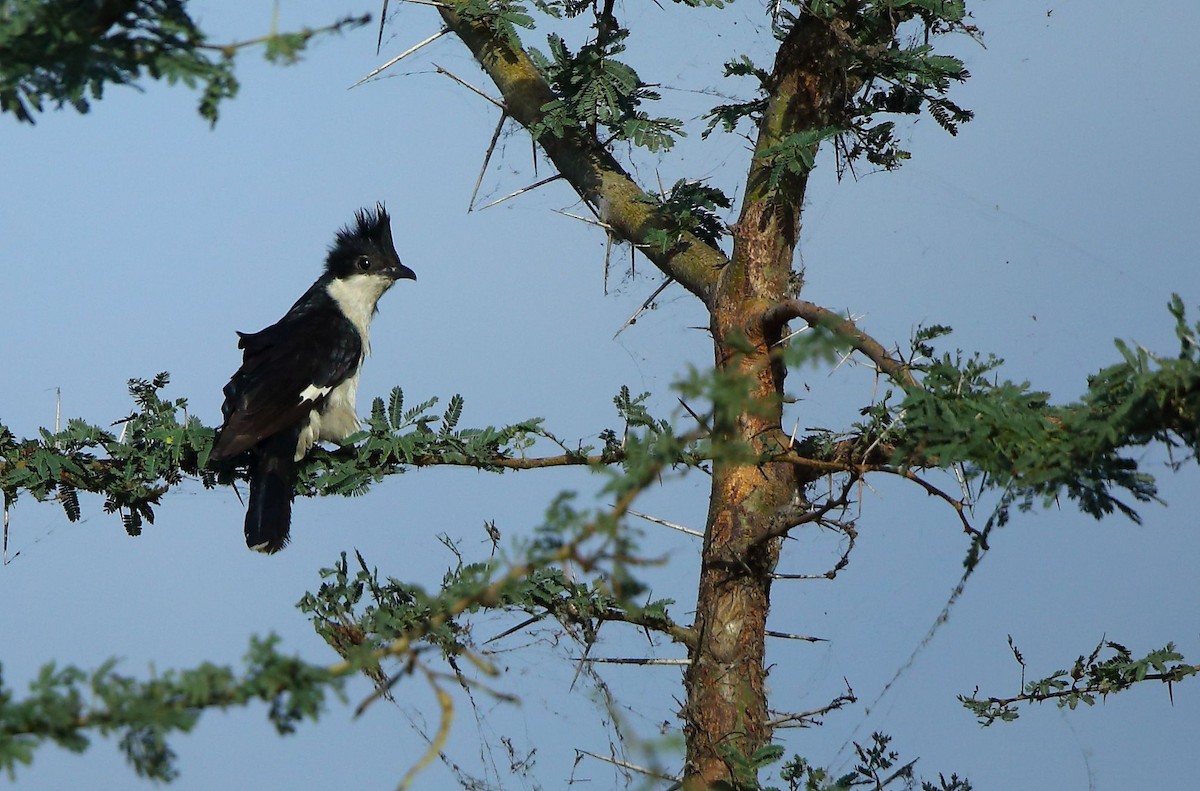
<point>726,714</point>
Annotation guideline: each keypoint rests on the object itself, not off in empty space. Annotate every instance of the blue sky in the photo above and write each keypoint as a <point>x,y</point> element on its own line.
<point>138,240</point>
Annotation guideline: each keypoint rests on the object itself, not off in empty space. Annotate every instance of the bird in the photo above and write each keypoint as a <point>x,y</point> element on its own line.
<point>299,377</point>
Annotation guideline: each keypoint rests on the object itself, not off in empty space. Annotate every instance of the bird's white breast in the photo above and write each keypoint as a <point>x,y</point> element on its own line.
<point>357,296</point>
<point>337,418</point>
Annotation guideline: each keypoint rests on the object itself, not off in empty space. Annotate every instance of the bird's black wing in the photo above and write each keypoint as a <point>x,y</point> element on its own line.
<point>312,348</point>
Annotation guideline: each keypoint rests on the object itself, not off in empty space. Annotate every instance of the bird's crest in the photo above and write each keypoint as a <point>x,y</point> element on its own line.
<point>371,231</point>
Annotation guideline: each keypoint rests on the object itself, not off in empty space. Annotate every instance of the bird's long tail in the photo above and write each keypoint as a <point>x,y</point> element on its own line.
<point>272,487</point>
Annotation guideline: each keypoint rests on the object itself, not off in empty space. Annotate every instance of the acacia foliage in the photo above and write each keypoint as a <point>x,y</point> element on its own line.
<point>1007,437</point>
<point>952,411</point>
<point>64,53</point>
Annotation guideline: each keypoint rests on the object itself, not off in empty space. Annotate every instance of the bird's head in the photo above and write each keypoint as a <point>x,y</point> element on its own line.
<point>365,248</point>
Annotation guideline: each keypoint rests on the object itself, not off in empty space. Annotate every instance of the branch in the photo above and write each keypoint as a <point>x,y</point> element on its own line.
<point>804,719</point>
<point>776,316</point>
<point>958,505</point>
<point>684,635</point>
<point>794,516</point>
<point>584,161</point>
<point>1088,678</point>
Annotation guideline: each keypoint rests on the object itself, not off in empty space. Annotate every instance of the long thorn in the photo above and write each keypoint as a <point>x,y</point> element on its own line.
<point>468,85</point>
<point>629,766</point>
<point>382,20</point>
<point>645,305</point>
<point>699,420</point>
<point>402,56</point>
<point>523,190</point>
<point>581,218</point>
<point>486,159</point>
<point>633,661</point>
<point>608,241</point>
<point>805,637</point>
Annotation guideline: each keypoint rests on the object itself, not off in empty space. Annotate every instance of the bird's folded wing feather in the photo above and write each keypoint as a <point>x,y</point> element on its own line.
<point>287,371</point>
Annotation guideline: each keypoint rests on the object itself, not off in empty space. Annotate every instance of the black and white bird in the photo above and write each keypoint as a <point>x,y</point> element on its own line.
<point>299,377</point>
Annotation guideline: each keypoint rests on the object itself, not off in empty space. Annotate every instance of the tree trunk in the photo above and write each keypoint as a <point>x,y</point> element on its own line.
<point>726,711</point>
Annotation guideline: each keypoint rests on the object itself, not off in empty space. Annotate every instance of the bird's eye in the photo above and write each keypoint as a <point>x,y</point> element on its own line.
<point>364,262</point>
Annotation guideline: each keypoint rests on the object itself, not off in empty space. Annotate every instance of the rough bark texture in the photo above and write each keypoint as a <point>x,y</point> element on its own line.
<point>726,711</point>
<point>583,161</point>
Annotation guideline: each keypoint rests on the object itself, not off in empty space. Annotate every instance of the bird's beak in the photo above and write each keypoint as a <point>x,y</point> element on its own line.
<point>401,272</point>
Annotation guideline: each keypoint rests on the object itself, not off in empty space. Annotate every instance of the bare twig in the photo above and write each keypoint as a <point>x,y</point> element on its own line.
<point>699,420</point>
<point>852,535</point>
<point>795,515</point>
<point>517,628</point>
<point>803,719</point>
<point>959,506</point>
<point>438,743</point>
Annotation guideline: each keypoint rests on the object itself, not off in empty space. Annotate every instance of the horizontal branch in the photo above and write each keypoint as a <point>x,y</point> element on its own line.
<point>1172,676</point>
<point>527,463</point>
<point>684,635</point>
<point>1090,677</point>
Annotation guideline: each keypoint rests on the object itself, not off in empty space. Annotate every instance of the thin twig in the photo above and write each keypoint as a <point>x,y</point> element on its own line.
<point>523,190</point>
<point>957,505</point>
<point>402,56</point>
<point>805,718</point>
<point>608,246</point>
<point>446,705</point>
<point>851,533</point>
<point>790,517</point>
